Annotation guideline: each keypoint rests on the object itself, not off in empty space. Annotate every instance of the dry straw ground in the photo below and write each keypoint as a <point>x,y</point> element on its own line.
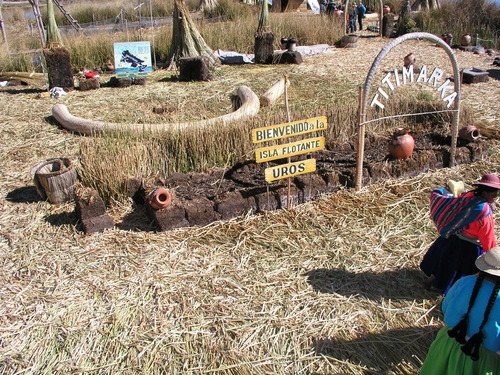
<point>328,287</point>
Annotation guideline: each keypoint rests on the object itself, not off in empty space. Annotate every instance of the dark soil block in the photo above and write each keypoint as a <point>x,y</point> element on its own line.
<point>286,57</point>
<point>59,70</point>
<point>120,82</point>
<point>232,204</point>
<point>194,68</point>
<point>88,203</point>
<point>97,224</point>
<point>171,217</point>
<point>141,81</point>
<point>91,211</point>
<point>200,211</point>
<point>264,48</point>
<point>89,84</point>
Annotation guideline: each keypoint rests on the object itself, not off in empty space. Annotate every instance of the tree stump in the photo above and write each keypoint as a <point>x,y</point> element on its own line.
<point>388,25</point>
<point>264,48</point>
<point>59,70</point>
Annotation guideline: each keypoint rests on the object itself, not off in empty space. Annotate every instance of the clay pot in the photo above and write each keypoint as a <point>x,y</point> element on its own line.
<point>409,59</point>
<point>401,144</point>
<point>469,133</point>
<point>465,40</point>
<point>448,38</point>
<point>159,198</point>
<point>386,9</point>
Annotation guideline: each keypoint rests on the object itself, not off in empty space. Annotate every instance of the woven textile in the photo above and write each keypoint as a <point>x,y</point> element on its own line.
<point>451,214</point>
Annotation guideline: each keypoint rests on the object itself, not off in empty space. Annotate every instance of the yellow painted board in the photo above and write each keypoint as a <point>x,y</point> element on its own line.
<point>301,147</point>
<point>289,170</point>
<point>269,133</point>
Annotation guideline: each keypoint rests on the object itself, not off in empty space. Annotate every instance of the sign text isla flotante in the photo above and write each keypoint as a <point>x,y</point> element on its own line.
<point>395,79</point>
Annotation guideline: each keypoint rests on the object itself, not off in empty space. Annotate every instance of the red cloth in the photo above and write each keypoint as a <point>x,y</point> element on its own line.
<point>483,230</point>
<point>91,74</point>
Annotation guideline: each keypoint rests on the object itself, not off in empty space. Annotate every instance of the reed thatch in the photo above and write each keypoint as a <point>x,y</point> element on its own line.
<point>327,287</point>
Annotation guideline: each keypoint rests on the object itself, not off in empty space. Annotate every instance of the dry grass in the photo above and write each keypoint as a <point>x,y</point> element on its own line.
<point>328,287</point>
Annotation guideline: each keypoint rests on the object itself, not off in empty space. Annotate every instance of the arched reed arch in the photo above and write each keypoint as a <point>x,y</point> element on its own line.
<point>365,91</point>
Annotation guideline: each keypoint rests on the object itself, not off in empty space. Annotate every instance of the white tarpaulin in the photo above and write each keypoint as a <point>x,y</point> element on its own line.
<point>314,6</point>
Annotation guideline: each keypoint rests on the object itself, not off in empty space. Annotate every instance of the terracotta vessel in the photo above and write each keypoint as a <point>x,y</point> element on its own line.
<point>409,59</point>
<point>465,40</point>
<point>159,198</point>
<point>469,133</point>
<point>401,144</point>
<point>448,38</point>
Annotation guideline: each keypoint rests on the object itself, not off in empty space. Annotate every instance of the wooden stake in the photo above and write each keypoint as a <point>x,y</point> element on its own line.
<point>4,35</point>
<point>285,95</point>
<point>360,152</point>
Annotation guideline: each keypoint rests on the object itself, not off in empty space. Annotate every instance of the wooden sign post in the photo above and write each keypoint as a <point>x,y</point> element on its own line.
<point>287,150</point>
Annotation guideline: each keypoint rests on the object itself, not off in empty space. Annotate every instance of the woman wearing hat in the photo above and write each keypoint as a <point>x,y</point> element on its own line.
<point>467,229</point>
<point>469,343</point>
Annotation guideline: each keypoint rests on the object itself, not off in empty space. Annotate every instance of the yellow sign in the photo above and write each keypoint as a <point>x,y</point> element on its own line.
<point>290,149</point>
<point>290,169</point>
<point>289,129</point>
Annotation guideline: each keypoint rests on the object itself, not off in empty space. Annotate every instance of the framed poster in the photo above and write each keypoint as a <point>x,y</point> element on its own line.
<point>132,59</point>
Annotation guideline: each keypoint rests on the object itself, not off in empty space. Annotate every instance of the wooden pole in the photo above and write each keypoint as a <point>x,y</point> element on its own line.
<point>360,152</point>
<point>2,29</point>
<point>289,182</point>
<point>39,23</point>
<point>152,32</point>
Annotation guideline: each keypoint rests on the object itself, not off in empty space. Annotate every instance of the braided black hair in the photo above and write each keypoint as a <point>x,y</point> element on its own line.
<point>460,330</point>
<point>471,347</point>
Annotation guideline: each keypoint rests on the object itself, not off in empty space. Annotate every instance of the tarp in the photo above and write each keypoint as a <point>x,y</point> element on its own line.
<point>314,6</point>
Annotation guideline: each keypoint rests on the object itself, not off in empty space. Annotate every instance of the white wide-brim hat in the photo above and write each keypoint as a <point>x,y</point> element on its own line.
<point>489,262</point>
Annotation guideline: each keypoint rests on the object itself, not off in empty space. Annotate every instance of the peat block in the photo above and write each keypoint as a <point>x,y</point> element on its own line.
<point>232,204</point>
<point>472,76</point>
<point>310,186</point>
<point>88,203</point>
<point>97,224</point>
<point>285,57</point>
<point>91,211</point>
<point>266,201</point>
<point>120,82</point>
<point>282,194</point>
<point>139,81</point>
<point>89,84</point>
<point>170,217</point>
<point>200,211</point>
<point>194,68</point>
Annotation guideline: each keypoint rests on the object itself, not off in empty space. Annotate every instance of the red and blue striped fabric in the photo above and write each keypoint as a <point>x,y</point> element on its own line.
<point>451,215</point>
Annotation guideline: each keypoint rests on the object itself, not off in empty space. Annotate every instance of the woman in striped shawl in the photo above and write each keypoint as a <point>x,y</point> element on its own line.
<point>469,343</point>
<point>467,229</point>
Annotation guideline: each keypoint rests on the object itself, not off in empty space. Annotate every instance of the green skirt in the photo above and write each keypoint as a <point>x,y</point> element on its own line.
<point>445,357</point>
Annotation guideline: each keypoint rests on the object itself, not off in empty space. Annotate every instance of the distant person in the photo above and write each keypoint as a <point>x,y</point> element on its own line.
<point>331,7</point>
<point>361,14</point>
<point>469,343</point>
<point>467,229</point>
<point>353,17</point>
<point>322,7</point>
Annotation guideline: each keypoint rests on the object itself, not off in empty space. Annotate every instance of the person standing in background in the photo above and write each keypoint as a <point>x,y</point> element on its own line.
<point>361,14</point>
